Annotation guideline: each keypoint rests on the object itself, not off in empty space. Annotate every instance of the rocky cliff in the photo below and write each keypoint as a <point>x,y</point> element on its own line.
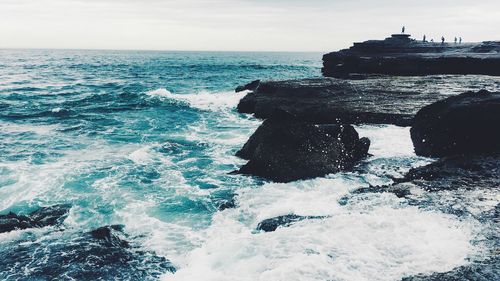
<point>401,55</point>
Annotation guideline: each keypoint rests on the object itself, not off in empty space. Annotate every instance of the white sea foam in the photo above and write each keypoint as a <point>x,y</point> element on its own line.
<point>203,100</point>
<point>141,155</point>
<point>373,239</point>
<point>42,182</point>
<point>6,127</point>
<point>388,140</point>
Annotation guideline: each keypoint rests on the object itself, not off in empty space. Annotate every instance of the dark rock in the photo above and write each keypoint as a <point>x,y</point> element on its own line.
<point>457,172</point>
<point>272,224</point>
<point>326,100</point>
<point>46,216</point>
<point>101,254</point>
<point>463,124</point>
<point>109,234</point>
<point>250,86</point>
<point>228,204</point>
<point>445,184</point>
<point>52,215</point>
<point>12,221</point>
<point>284,149</point>
<point>401,55</point>
<point>223,199</point>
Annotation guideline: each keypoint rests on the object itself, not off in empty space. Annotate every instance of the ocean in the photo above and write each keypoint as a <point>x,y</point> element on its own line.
<point>147,140</point>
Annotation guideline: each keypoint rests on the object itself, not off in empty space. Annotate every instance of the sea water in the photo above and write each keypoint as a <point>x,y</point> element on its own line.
<point>147,140</point>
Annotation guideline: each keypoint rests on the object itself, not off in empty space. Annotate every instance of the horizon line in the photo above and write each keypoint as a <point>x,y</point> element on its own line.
<point>160,50</point>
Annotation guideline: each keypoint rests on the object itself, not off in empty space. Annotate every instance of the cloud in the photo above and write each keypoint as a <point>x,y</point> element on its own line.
<point>235,24</point>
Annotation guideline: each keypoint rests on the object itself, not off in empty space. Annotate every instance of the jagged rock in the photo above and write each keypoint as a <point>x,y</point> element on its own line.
<point>457,172</point>
<point>463,124</point>
<point>401,55</point>
<point>228,204</point>
<point>250,86</point>
<point>328,100</point>
<point>284,149</point>
<point>269,225</point>
<point>101,254</point>
<point>109,234</point>
<point>46,216</point>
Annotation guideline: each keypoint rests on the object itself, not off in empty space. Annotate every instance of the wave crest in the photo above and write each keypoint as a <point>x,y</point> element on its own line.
<point>219,101</point>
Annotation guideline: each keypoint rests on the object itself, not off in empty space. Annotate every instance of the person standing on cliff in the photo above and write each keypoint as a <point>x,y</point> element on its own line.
<point>456,40</point>
<point>460,40</point>
<point>403,30</point>
<point>442,39</point>
<point>424,39</point>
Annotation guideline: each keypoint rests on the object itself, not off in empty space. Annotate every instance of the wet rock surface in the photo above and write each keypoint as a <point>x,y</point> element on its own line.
<point>46,216</point>
<point>463,124</point>
<point>101,254</point>
<point>457,172</point>
<point>269,225</point>
<point>375,100</point>
<point>250,86</point>
<point>284,149</point>
<point>110,235</point>
<point>401,55</point>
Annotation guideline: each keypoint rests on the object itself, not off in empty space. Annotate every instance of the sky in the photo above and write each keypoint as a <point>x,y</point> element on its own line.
<point>237,25</point>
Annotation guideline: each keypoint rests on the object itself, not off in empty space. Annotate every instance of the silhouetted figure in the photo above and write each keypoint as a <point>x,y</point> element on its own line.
<point>424,38</point>
<point>456,40</point>
<point>442,39</point>
<point>460,40</point>
<point>403,30</point>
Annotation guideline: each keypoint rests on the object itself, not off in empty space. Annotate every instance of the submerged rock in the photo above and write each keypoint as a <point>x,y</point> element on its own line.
<point>401,55</point>
<point>250,86</point>
<point>327,100</point>
<point>284,149</point>
<point>463,124</point>
<point>46,216</point>
<point>272,224</point>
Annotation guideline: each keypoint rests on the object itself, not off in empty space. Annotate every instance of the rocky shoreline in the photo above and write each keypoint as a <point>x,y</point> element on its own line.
<point>460,129</point>
<point>310,130</point>
<point>401,55</point>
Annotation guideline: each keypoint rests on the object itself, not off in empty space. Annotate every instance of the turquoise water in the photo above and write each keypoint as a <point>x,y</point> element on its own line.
<point>147,139</point>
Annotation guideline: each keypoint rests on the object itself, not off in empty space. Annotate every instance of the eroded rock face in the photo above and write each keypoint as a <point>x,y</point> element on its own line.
<point>110,234</point>
<point>401,55</point>
<point>46,216</point>
<point>284,149</point>
<point>463,124</point>
<point>377,100</point>
<point>250,86</point>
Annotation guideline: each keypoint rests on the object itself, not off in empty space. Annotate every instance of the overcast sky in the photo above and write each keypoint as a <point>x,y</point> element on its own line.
<point>246,25</point>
